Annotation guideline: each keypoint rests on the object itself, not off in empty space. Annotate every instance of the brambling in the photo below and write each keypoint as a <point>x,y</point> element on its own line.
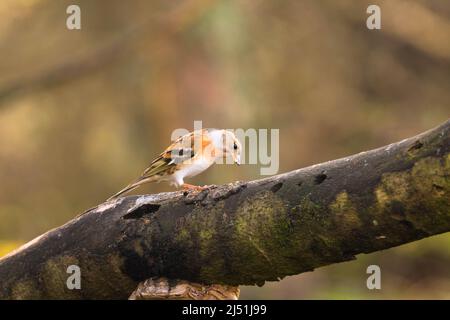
<point>188,156</point>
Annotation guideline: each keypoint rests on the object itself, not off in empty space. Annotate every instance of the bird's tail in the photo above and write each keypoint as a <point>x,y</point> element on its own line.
<point>130,187</point>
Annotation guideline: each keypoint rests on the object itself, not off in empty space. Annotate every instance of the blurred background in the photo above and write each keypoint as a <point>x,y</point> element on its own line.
<point>83,112</point>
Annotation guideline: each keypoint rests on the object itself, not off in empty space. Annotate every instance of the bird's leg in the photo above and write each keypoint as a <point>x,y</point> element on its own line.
<point>187,186</point>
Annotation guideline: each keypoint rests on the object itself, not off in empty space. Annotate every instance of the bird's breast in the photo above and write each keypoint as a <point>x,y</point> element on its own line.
<point>198,166</point>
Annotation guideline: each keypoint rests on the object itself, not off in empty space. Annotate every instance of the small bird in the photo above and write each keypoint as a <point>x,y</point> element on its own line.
<point>188,156</point>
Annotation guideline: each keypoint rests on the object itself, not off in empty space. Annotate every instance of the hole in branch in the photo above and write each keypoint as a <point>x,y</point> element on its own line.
<point>320,178</point>
<point>142,210</point>
<point>276,187</point>
<point>416,146</point>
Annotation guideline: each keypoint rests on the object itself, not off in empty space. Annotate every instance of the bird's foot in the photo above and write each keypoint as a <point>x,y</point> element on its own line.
<point>189,187</point>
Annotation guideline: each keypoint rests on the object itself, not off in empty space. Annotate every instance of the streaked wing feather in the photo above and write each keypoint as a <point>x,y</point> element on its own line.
<point>179,151</point>
<point>158,166</point>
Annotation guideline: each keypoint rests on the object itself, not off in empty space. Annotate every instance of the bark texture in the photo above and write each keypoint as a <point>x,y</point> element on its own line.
<point>165,289</point>
<point>245,232</point>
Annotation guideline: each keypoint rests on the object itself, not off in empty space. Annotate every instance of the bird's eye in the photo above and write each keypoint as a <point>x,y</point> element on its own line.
<point>235,146</point>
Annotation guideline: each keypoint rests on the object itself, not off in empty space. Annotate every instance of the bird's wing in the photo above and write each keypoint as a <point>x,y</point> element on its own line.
<point>179,152</point>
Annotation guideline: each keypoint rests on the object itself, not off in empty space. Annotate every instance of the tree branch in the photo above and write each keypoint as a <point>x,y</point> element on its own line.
<point>245,232</point>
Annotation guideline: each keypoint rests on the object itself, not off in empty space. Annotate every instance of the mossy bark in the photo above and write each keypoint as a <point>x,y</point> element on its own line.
<point>245,232</point>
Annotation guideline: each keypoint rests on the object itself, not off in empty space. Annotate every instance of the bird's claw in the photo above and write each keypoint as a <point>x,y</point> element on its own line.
<point>190,187</point>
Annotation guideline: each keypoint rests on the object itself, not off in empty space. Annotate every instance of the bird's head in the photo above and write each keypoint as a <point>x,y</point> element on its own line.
<point>227,145</point>
<point>232,146</point>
